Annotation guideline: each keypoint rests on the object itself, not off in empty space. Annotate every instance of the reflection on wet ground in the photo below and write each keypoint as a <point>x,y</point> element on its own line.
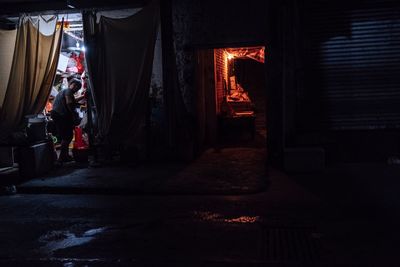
<point>52,242</point>
<point>56,240</point>
<point>243,219</point>
<point>216,217</point>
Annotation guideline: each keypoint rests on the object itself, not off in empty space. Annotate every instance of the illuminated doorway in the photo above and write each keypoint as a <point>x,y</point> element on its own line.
<point>231,96</point>
<point>240,93</point>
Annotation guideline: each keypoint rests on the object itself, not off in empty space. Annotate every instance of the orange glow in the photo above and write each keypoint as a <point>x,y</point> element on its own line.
<point>229,56</point>
<point>65,26</point>
<point>257,53</point>
<point>216,217</point>
<point>243,219</point>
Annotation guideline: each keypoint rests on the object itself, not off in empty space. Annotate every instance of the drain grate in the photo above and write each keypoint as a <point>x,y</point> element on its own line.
<point>300,244</point>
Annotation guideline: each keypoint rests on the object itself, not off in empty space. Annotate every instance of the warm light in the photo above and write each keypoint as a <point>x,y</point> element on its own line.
<point>256,53</point>
<point>216,217</point>
<point>65,26</point>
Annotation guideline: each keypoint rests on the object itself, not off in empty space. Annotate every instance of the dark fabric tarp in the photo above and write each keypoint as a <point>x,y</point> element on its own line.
<point>180,130</point>
<point>119,58</point>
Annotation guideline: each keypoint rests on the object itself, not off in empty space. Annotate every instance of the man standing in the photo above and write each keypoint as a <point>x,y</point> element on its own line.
<point>65,116</point>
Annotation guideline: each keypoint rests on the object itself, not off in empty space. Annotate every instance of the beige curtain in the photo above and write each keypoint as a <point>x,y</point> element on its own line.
<point>32,74</point>
<point>7,46</point>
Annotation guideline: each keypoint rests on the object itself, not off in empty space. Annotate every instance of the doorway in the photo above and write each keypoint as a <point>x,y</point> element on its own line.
<point>231,96</point>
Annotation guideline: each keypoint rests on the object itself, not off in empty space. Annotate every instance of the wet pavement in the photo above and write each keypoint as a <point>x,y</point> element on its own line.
<point>106,229</point>
<point>165,230</point>
<point>331,218</point>
<point>216,171</point>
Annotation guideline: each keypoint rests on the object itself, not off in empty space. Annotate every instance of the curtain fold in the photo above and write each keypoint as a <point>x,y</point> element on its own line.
<point>7,47</point>
<point>180,128</point>
<point>33,70</point>
<point>119,57</point>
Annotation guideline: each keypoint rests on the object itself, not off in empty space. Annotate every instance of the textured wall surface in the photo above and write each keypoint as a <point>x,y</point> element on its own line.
<point>212,24</point>
<point>221,76</point>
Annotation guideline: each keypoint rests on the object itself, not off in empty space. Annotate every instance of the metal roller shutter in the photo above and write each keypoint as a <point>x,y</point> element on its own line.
<point>352,66</point>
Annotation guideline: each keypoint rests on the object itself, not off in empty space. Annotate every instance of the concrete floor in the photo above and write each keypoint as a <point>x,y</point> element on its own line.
<point>216,171</point>
<point>344,216</point>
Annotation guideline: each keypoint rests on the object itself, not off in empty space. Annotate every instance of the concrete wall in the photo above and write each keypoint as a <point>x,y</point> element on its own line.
<point>211,24</point>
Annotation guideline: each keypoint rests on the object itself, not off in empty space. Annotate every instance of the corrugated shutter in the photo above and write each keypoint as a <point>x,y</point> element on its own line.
<point>352,65</point>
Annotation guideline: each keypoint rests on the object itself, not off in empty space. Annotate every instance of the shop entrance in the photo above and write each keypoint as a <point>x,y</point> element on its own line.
<point>231,96</point>
<point>71,67</point>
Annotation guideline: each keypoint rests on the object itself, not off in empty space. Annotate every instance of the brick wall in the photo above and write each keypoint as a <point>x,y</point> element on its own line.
<point>221,76</point>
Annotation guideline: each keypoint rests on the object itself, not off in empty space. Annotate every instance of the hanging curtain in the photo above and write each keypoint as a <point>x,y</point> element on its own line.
<point>180,123</point>
<point>119,57</point>
<point>33,70</point>
<point>7,46</point>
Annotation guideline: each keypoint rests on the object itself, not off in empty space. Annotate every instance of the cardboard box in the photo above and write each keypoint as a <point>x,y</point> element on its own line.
<point>37,159</point>
<point>6,157</point>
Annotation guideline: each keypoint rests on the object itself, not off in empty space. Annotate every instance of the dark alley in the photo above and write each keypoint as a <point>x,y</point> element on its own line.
<point>199,133</point>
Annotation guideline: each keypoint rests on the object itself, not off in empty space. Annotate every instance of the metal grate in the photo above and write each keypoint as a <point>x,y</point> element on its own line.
<point>289,245</point>
<point>353,55</point>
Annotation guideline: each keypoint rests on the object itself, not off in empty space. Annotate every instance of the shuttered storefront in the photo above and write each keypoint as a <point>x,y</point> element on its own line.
<point>352,66</point>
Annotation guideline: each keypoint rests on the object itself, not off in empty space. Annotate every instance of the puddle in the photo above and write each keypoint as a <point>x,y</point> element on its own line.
<point>56,240</point>
<point>216,217</point>
<point>243,219</point>
<point>95,231</point>
<point>207,216</point>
